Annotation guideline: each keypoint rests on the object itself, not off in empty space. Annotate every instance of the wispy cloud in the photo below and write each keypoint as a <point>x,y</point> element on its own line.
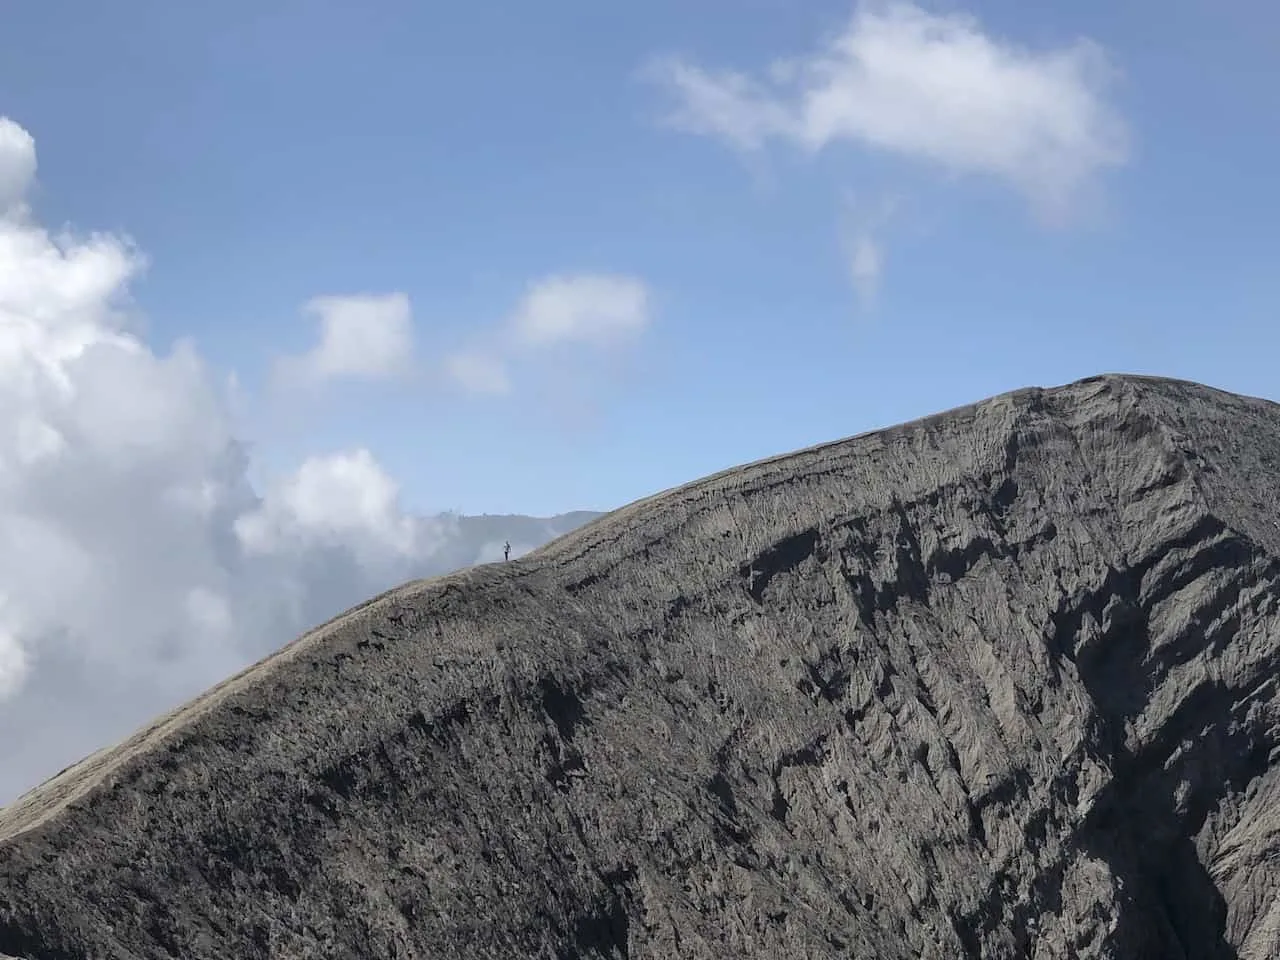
<point>364,337</point>
<point>585,308</point>
<point>865,226</point>
<point>595,311</point>
<point>478,373</point>
<point>930,87</point>
<point>17,165</point>
<point>866,262</point>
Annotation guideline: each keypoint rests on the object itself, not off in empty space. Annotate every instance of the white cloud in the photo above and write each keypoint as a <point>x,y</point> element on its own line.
<point>929,87</point>
<point>478,372</point>
<point>593,310</point>
<point>366,337</point>
<point>116,467</point>
<point>588,308</point>
<point>17,165</point>
<point>137,563</point>
<point>343,498</point>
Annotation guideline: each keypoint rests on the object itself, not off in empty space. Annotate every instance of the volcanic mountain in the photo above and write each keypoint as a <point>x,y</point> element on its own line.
<point>997,683</point>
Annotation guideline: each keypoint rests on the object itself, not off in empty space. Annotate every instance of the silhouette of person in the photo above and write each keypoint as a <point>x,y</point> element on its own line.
<point>506,551</point>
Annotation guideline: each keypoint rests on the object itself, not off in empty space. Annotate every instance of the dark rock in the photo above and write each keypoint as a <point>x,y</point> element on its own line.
<point>998,683</point>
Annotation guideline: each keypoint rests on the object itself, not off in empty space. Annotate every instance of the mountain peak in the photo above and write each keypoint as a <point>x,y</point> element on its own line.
<point>995,682</point>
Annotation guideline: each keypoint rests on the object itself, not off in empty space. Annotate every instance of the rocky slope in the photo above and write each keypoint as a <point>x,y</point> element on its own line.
<point>107,704</point>
<point>997,683</point>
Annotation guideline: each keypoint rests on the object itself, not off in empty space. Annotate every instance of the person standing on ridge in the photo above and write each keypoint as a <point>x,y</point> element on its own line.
<point>506,551</point>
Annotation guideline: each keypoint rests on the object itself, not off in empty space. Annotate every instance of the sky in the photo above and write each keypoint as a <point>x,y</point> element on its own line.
<point>282,283</point>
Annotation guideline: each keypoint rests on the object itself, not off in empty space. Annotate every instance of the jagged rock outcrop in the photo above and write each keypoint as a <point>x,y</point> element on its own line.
<point>997,683</point>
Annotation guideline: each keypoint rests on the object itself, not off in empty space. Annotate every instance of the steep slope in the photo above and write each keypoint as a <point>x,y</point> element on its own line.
<point>997,683</point>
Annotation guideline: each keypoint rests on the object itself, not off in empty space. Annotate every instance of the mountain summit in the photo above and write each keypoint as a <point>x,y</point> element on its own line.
<point>997,683</point>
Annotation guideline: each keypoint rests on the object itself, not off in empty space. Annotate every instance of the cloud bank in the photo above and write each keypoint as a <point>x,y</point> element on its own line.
<point>137,563</point>
<point>933,88</point>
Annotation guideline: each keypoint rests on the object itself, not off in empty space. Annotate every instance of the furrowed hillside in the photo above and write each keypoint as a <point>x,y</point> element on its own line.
<point>998,683</point>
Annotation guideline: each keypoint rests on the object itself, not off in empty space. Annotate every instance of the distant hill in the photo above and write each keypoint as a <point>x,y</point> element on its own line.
<point>998,683</point>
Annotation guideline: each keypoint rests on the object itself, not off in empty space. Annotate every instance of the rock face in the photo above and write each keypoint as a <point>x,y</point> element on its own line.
<point>997,683</point>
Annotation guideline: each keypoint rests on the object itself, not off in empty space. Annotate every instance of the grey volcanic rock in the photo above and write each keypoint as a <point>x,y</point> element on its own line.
<point>68,707</point>
<point>997,683</point>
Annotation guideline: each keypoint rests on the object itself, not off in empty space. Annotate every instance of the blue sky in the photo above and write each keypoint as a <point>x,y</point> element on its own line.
<point>279,282</point>
<point>264,154</point>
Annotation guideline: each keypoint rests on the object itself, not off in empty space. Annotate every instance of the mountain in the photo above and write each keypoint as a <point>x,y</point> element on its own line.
<point>997,683</point>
